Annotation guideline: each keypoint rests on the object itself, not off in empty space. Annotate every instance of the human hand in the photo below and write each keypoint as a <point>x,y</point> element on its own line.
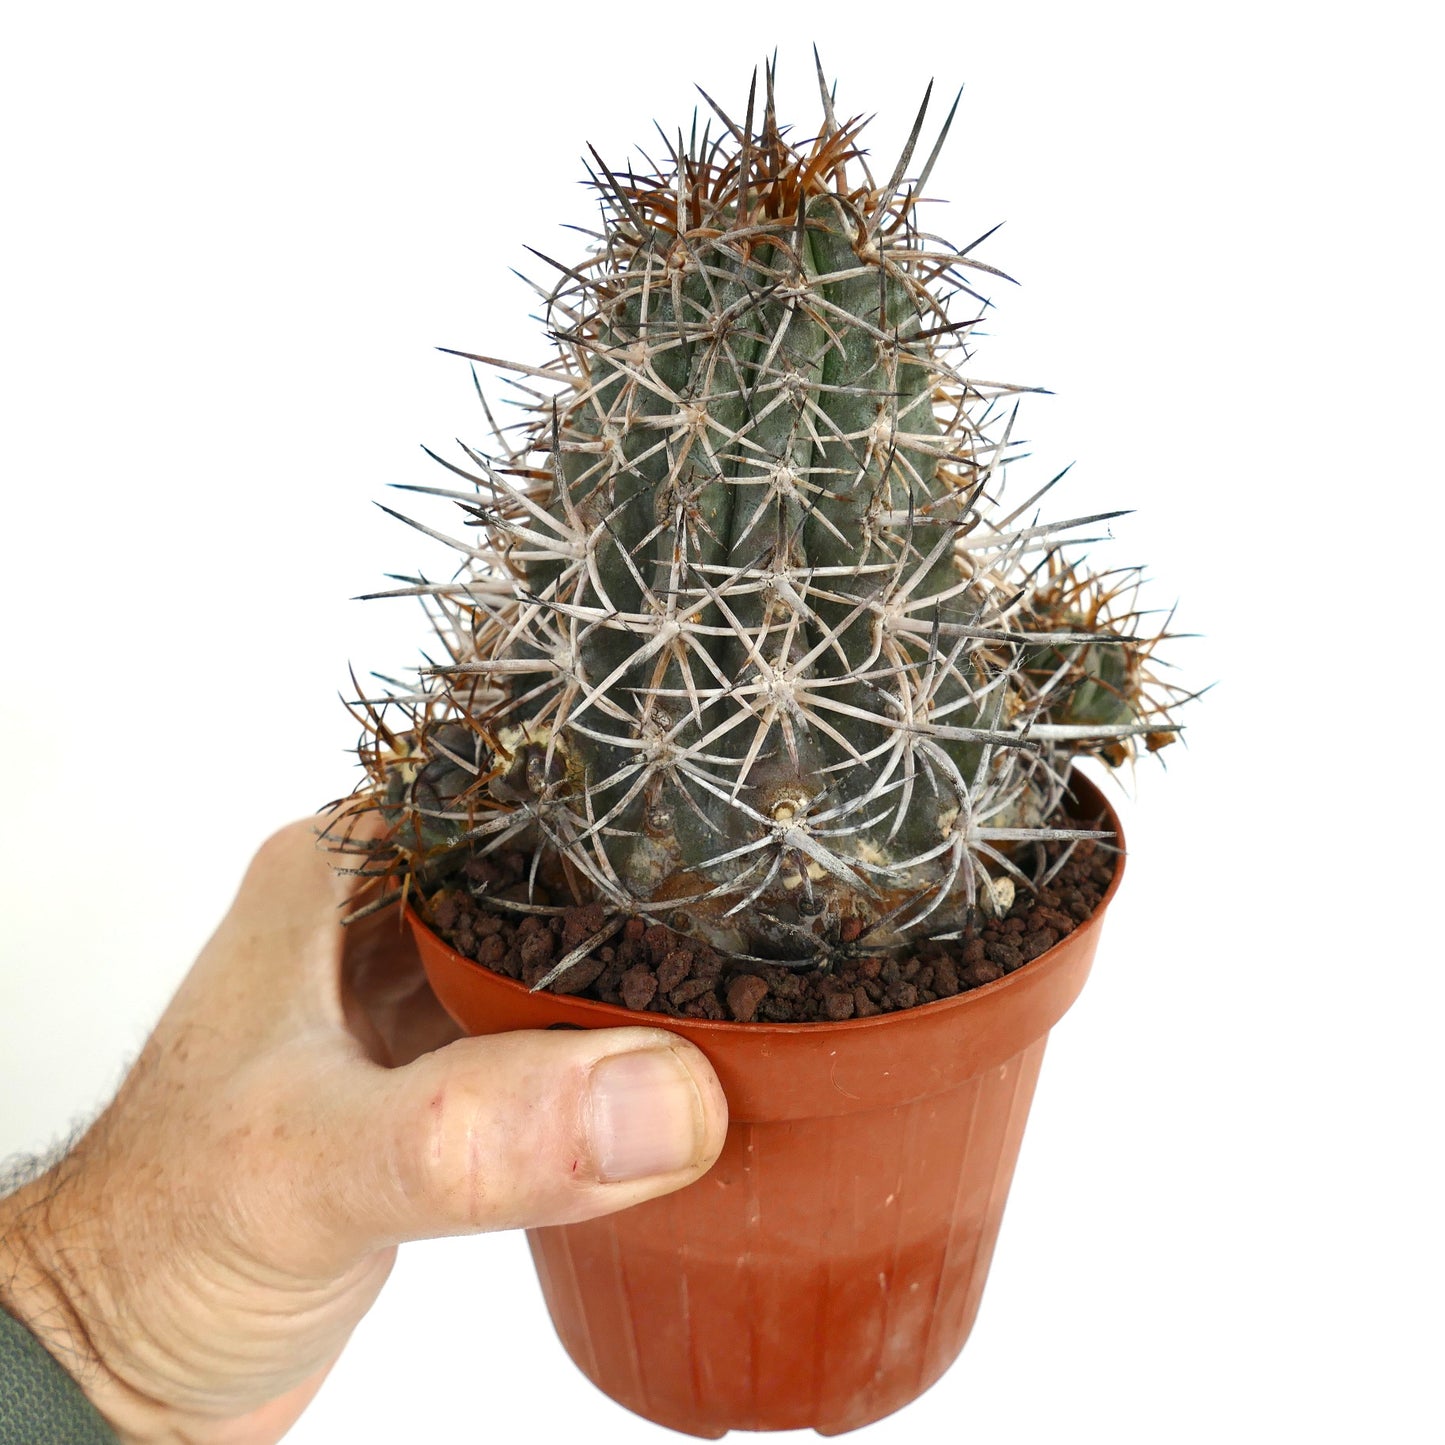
<point>304,1105</point>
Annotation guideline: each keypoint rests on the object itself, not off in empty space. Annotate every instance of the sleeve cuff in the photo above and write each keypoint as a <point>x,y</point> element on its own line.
<point>40,1404</point>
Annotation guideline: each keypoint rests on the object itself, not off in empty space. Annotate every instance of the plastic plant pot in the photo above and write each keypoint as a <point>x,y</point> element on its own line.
<point>828,1268</point>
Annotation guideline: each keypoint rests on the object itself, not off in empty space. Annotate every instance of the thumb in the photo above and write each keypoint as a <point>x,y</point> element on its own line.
<point>525,1129</point>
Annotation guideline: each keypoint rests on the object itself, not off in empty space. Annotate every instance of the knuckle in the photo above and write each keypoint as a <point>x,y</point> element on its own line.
<point>437,1145</point>
<point>285,844</point>
<point>478,1161</point>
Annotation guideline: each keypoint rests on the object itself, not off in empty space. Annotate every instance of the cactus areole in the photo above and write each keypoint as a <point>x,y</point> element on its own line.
<point>745,639</point>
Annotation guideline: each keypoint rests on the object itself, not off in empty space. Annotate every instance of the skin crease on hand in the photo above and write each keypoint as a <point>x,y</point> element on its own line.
<point>201,1258</point>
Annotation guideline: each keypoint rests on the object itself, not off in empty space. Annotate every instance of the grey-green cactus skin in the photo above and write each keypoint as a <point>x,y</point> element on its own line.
<point>750,641</point>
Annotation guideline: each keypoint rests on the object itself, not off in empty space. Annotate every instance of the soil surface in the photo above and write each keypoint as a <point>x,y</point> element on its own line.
<point>653,969</point>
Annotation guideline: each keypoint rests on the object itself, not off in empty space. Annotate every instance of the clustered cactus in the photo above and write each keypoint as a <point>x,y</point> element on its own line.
<point>745,639</point>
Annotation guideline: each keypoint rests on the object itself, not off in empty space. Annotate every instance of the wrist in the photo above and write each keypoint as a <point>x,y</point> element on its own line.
<point>30,1289</point>
<point>51,1282</point>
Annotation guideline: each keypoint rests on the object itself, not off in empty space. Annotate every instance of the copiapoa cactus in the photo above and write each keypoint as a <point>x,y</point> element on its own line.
<point>745,639</point>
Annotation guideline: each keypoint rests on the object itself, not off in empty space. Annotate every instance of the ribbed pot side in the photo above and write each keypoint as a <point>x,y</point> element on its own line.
<point>829,1267</point>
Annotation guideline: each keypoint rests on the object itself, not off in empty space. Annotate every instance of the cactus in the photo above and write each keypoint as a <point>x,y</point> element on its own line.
<point>745,639</point>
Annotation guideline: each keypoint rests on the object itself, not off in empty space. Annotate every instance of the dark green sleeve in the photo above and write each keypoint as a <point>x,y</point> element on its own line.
<point>39,1403</point>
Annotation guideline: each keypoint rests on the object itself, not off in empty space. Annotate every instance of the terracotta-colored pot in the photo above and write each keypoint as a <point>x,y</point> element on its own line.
<point>829,1266</point>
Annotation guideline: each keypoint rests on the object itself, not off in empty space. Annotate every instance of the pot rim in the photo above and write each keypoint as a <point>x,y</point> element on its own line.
<point>1084,789</point>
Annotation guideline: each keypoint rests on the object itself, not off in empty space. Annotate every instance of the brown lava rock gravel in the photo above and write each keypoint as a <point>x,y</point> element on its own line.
<point>651,968</point>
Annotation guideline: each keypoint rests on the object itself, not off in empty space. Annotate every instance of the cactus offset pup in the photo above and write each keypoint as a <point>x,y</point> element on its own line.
<point>744,638</point>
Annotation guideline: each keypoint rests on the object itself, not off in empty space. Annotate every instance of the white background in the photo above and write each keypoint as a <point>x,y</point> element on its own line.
<point>233,236</point>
